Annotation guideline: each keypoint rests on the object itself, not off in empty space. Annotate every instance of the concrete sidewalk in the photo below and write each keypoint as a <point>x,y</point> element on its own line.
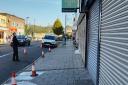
<point>59,67</point>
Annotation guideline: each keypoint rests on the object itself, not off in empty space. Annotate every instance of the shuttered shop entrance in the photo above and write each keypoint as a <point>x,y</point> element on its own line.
<point>114,43</point>
<point>93,25</point>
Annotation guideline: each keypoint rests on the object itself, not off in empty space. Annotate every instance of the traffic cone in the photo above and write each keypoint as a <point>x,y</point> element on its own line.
<point>13,80</point>
<point>49,49</point>
<point>42,53</point>
<point>33,70</point>
<point>25,51</point>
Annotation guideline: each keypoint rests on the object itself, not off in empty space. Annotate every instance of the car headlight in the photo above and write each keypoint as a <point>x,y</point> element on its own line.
<point>53,42</point>
<point>21,40</point>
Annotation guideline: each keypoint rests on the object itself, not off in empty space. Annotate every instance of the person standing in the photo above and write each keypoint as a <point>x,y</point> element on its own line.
<point>15,47</point>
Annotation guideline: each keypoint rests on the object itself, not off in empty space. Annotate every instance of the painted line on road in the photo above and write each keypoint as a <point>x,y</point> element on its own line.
<point>6,54</point>
<point>12,52</point>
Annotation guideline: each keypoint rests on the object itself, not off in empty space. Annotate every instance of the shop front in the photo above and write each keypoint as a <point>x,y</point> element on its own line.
<point>3,35</point>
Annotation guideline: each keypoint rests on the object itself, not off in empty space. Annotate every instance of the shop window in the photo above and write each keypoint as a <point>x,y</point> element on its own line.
<point>14,24</point>
<point>2,21</point>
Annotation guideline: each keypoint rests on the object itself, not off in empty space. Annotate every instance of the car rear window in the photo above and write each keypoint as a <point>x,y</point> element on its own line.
<point>50,37</point>
<point>20,37</point>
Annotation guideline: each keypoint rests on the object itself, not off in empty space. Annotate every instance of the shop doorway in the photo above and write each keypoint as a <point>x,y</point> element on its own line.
<point>1,37</point>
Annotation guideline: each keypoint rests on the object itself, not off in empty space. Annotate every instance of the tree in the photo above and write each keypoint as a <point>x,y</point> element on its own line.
<point>26,29</point>
<point>29,30</point>
<point>57,27</point>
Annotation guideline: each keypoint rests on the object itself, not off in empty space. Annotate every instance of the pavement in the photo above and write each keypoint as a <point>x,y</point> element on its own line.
<point>61,66</point>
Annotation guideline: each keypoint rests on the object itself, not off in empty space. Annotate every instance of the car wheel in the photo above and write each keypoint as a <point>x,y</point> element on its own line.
<point>43,45</point>
<point>24,44</point>
<point>28,43</point>
<point>55,46</point>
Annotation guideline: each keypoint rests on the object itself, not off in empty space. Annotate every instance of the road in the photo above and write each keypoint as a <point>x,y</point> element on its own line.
<point>7,65</point>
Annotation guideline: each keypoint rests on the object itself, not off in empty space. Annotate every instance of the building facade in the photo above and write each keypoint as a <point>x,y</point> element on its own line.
<point>9,24</point>
<point>105,24</point>
<point>80,36</point>
<point>69,30</point>
<point>3,28</point>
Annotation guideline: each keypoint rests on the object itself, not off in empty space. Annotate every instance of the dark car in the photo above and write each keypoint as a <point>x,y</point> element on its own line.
<point>23,40</point>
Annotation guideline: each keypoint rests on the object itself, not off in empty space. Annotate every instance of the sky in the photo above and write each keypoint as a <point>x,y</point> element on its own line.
<point>43,12</point>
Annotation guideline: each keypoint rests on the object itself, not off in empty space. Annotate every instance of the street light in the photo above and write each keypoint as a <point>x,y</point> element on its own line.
<point>27,20</point>
<point>27,24</point>
<point>33,29</point>
<point>65,30</point>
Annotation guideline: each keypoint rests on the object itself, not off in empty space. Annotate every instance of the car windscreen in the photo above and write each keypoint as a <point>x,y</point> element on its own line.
<point>49,37</point>
<point>20,37</point>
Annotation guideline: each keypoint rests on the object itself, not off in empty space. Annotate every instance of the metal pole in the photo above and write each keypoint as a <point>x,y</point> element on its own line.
<point>65,28</point>
<point>27,23</point>
<point>34,28</point>
<point>65,23</point>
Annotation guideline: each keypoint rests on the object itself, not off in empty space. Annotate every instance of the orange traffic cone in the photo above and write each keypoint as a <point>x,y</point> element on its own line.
<point>42,53</point>
<point>33,70</point>
<point>49,49</point>
<point>25,51</point>
<point>13,80</point>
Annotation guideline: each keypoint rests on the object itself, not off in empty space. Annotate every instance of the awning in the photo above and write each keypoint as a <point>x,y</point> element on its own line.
<point>13,29</point>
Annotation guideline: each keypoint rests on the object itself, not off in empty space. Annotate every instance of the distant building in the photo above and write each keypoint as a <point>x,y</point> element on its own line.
<point>9,24</point>
<point>69,30</point>
<point>39,36</point>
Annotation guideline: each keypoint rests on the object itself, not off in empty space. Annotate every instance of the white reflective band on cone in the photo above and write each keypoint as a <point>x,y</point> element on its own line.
<point>33,68</point>
<point>13,81</point>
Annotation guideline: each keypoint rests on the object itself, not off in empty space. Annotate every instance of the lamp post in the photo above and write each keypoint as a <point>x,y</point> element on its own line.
<point>27,20</point>
<point>65,30</point>
<point>27,25</point>
<point>34,28</point>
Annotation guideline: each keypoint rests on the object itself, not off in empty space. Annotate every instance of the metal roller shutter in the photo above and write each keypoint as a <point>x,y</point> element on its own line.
<point>93,25</point>
<point>114,43</point>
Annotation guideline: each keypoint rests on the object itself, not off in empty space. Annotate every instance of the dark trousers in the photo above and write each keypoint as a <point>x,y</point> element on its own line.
<point>15,53</point>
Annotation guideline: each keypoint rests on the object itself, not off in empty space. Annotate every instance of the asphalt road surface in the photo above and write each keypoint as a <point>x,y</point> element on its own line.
<point>7,65</point>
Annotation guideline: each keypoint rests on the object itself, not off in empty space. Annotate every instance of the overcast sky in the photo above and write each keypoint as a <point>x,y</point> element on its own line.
<point>43,11</point>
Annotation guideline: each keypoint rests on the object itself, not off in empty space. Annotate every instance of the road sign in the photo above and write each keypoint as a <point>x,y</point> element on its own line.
<point>70,5</point>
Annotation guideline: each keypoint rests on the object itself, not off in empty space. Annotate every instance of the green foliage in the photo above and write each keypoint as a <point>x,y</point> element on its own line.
<point>31,29</point>
<point>26,29</point>
<point>57,27</point>
<point>69,36</point>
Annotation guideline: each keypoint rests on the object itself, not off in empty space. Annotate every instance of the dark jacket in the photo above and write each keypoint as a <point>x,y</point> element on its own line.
<point>15,41</point>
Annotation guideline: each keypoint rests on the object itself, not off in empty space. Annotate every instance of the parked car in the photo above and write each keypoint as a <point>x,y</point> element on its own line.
<point>30,38</point>
<point>49,40</point>
<point>23,40</point>
<point>59,38</point>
